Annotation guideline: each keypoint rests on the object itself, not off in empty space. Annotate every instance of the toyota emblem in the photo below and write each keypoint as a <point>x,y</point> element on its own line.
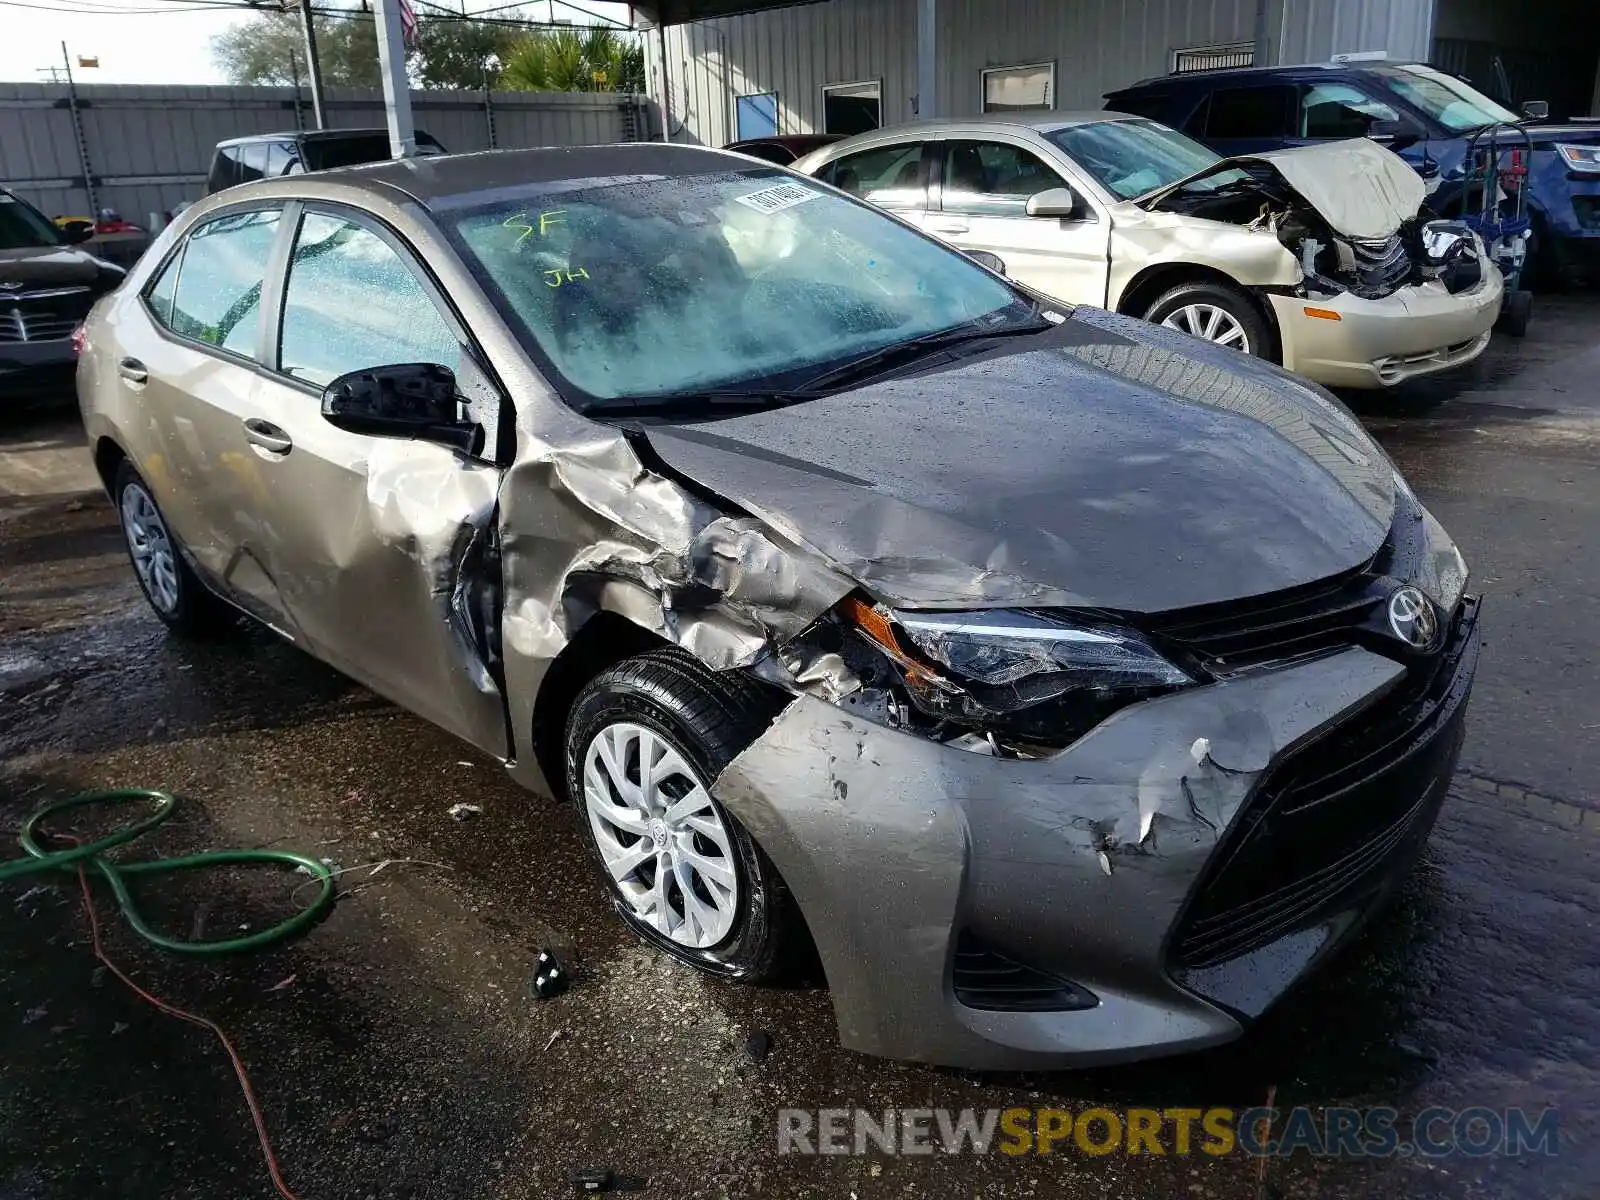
<point>1411,618</point>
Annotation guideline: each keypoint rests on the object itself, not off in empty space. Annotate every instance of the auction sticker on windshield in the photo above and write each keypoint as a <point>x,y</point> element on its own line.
<point>776,199</point>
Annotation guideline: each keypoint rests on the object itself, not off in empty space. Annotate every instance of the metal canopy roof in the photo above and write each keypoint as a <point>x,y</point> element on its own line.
<point>676,12</point>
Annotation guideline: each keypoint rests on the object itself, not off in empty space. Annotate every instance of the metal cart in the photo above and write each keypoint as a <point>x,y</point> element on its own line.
<point>1495,205</point>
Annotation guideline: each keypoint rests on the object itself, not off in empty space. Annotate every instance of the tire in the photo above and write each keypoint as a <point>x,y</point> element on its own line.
<point>1516,310</point>
<point>1199,301</point>
<point>173,591</point>
<point>665,704</point>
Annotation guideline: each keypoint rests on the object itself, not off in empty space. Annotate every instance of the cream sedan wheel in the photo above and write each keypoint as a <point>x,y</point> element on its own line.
<point>1211,323</point>
<point>660,836</point>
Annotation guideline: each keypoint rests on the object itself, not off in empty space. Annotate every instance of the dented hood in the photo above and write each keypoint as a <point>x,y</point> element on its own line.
<point>1106,463</point>
<point>1362,190</point>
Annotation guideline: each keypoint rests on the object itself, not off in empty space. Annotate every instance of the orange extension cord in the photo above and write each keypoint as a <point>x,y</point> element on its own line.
<point>172,1010</point>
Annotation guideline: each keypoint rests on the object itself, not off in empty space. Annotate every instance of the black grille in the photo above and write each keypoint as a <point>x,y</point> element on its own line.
<point>1383,266</point>
<point>1286,625</point>
<point>987,978</point>
<point>43,316</point>
<point>1334,814</point>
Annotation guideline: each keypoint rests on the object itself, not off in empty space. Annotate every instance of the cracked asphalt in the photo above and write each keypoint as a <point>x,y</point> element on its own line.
<point>397,1050</point>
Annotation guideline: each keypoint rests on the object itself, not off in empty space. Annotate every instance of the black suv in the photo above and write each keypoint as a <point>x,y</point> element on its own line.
<point>47,286</point>
<point>267,155</point>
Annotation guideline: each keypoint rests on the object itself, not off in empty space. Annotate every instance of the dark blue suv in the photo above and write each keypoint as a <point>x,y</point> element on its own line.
<point>1423,114</point>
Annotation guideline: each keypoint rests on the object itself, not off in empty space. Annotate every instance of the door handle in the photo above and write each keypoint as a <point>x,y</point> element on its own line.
<point>948,227</point>
<point>133,370</point>
<point>268,436</point>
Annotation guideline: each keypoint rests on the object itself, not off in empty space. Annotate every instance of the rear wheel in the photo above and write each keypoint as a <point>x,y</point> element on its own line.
<point>1215,313</point>
<point>645,739</point>
<point>172,589</point>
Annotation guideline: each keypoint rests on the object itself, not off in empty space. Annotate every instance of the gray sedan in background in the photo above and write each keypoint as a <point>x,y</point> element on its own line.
<point>1073,684</point>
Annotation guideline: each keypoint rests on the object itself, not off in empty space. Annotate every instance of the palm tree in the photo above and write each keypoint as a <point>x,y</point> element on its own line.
<point>570,60</point>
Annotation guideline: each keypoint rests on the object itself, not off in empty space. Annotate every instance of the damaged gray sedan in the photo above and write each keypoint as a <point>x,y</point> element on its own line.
<point>1076,686</point>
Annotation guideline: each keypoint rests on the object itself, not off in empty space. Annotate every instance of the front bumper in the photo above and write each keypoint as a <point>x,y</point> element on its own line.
<point>1093,865</point>
<point>1380,343</point>
<point>34,368</point>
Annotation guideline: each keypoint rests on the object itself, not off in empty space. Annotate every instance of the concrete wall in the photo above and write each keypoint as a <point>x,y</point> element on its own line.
<point>149,147</point>
<point>1097,45</point>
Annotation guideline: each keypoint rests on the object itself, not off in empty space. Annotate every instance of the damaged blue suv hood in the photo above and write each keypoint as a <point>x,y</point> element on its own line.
<point>1106,463</point>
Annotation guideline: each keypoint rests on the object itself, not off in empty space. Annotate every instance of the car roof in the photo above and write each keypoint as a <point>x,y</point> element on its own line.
<point>1187,79</point>
<point>440,178</point>
<point>313,135</point>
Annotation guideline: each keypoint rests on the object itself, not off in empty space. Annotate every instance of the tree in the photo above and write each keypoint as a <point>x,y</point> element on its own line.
<point>570,60</point>
<point>449,53</point>
<point>458,54</point>
<point>270,48</point>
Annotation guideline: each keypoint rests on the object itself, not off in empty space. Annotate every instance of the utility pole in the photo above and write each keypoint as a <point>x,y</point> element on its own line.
<point>313,66</point>
<point>396,85</point>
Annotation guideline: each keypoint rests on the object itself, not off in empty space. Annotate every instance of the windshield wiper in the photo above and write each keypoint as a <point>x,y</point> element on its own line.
<point>718,400</point>
<point>904,353</point>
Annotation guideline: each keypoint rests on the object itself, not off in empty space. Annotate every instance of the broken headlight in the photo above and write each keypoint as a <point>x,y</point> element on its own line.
<point>1035,676</point>
<point>1020,658</point>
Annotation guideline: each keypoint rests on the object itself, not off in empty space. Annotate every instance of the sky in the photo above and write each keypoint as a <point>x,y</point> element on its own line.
<point>149,41</point>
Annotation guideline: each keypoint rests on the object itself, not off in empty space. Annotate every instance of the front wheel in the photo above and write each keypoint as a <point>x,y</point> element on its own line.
<point>645,740</point>
<point>1215,313</point>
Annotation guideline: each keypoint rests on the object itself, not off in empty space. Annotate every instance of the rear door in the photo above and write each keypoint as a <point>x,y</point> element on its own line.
<point>982,192</point>
<point>372,542</point>
<point>188,357</point>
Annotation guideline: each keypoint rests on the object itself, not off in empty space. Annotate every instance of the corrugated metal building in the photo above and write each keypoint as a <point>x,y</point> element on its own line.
<point>844,65</point>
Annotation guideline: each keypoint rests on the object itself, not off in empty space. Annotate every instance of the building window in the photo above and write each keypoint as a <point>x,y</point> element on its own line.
<point>1211,58</point>
<point>1020,89</point>
<point>756,116</point>
<point>849,108</point>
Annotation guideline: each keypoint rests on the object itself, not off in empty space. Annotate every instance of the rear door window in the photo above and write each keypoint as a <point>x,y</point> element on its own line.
<point>217,297</point>
<point>252,161</point>
<point>1256,113</point>
<point>281,156</point>
<point>888,176</point>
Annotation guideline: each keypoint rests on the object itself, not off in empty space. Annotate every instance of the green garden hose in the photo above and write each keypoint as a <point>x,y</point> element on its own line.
<point>90,854</point>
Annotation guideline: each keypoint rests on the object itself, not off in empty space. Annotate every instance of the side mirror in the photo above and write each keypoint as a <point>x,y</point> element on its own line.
<point>75,231</point>
<point>1398,134</point>
<point>1536,110</point>
<point>408,400</point>
<point>1054,202</point>
<point>984,259</point>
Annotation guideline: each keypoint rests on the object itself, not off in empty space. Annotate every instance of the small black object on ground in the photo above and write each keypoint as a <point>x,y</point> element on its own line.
<point>550,976</point>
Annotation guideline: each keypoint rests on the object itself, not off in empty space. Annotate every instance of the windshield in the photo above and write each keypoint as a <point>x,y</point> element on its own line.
<point>1452,102</point>
<point>23,227</point>
<point>645,287</point>
<point>1130,158</point>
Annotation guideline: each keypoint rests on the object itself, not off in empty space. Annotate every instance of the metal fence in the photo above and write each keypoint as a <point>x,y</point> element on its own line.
<point>142,150</point>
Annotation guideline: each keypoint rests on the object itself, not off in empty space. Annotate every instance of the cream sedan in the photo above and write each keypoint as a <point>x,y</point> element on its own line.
<point>1321,258</point>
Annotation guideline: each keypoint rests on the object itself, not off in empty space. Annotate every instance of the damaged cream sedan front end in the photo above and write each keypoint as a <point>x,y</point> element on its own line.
<point>1075,685</point>
<point>1365,289</point>
<point>1322,258</point>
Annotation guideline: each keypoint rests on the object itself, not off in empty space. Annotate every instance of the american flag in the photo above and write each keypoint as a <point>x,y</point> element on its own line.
<point>408,22</point>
